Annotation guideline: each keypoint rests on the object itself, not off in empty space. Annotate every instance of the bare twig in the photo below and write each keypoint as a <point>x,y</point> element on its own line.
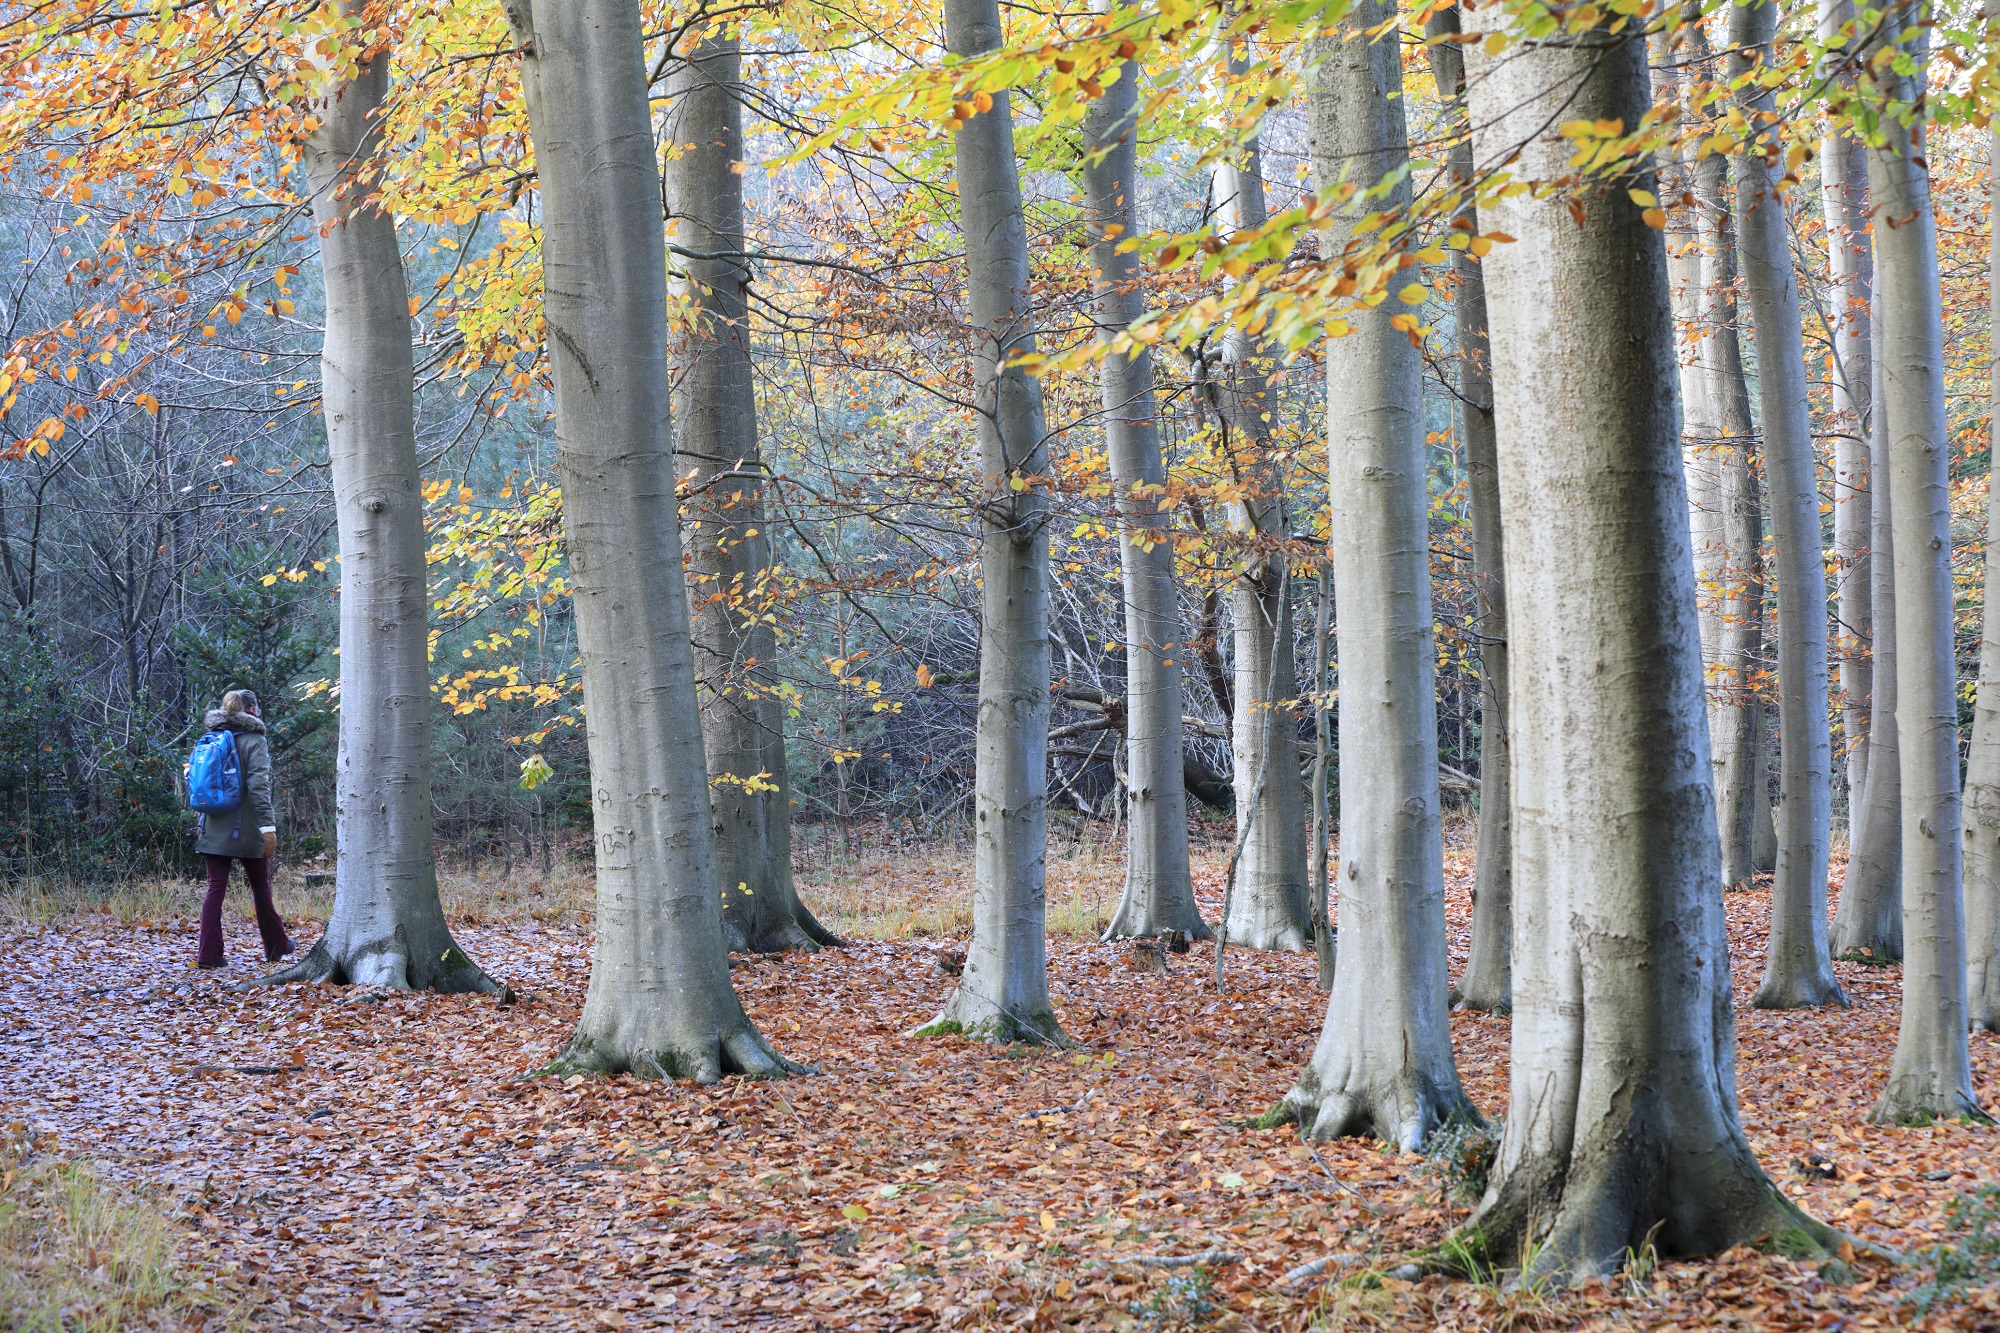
<point>1305,1272</point>
<point>1214,1258</point>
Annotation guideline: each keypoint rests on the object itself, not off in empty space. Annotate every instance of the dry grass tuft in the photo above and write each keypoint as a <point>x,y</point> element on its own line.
<point>80,1255</point>
<point>869,884</point>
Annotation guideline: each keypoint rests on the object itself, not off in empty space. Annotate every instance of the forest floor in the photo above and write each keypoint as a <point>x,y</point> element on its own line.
<point>325,1159</point>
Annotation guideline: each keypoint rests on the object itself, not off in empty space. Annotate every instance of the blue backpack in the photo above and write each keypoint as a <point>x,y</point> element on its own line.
<point>214,776</point>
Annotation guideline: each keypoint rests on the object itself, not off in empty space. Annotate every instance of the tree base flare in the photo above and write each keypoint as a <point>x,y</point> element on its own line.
<point>1403,1108</point>
<point>1819,991</point>
<point>1136,922</point>
<point>742,1052</point>
<point>1002,1029</point>
<point>1272,938</point>
<point>1917,1102</point>
<point>1484,996</point>
<point>1601,1229</point>
<point>801,934</point>
<point>382,965</point>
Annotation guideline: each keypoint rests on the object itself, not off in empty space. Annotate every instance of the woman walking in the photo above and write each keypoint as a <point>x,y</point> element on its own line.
<point>249,833</point>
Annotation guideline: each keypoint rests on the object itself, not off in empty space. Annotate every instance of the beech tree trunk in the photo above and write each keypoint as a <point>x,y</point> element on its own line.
<point>1868,922</point>
<point>1486,983</point>
<point>1737,717</point>
<point>1932,1072</point>
<point>1686,229</point>
<point>1798,973</point>
<point>1383,1065</point>
<point>1003,993</point>
<point>660,1003</point>
<point>1624,1131</point>
<point>1270,905</point>
<point>1159,891</point>
<point>1843,172</point>
<point>1982,773</point>
<point>387,927</point>
<point>728,536</point>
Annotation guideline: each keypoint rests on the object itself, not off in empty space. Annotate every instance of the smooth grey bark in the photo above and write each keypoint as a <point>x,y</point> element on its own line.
<point>1486,982</point>
<point>1003,993</point>
<point>1671,49</point>
<point>728,535</point>
<point>1798,972</point>
<point>387,927</point>
<point>1270,900</point>
<point>1843,173</point>
<point>1159,890</point>
<point>1383,1064</point>
<point>1623,1131</point>
<point>659,1003</point>
<point>1982,772</point>
<point>1736,716</point>
<point>1326,954</point>
<point>1931,1075</point>
<point>1868,922</point>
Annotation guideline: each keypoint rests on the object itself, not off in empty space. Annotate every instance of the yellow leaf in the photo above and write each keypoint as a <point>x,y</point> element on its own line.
<point>1048,1220</point>
<point>854,1212</point>
<point>1654,218</point>
<point>1643,198</point>
<point>1413,294</point>
<point>270,579</point>
<point>1496,42</point>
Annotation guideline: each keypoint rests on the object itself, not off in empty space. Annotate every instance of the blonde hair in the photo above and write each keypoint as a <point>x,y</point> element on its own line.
<point>240,701</point>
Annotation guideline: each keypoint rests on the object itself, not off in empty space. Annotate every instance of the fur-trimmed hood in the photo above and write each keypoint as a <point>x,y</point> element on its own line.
<point>217,720</point>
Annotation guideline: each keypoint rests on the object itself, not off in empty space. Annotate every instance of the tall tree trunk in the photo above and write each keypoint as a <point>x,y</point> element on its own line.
<point>660,1003</point>
<point>1737,717</point>
<point>1797,971</point>
<point>1982,773</point>
<point>1003,994</point>
<point>1932,1071</point>
<point>1686,231</point>
<point>1869,919</point>
<point>1486,983</point>
<point>1325,950</point>
<point>387,927</point>
<point>728,536</point>
<point>1625,1132</point>
<point>1270,905</point>
<point>1843,172</point>
<point>1159,892</point>
<point>1383,1065</point>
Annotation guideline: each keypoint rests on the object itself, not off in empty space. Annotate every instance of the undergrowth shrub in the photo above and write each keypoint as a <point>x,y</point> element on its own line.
<point>1971,1258</point>
<point>1458,1158</point>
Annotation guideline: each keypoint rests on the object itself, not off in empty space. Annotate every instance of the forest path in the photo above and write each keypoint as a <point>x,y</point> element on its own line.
<point>394,1173</point>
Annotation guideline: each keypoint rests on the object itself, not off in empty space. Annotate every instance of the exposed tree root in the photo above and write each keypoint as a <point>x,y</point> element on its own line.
<point>801,932</point>
<point>741,1051</point>
<point>1403,1108</point>
<point>384,965</point>
<point>1003,1028</point>
<point>1608,1219</point>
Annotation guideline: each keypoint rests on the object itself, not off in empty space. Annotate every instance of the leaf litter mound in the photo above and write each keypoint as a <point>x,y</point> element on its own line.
<point>343,1160</point>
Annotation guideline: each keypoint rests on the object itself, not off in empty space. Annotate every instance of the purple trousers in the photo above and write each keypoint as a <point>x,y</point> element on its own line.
<point>257,870</point>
